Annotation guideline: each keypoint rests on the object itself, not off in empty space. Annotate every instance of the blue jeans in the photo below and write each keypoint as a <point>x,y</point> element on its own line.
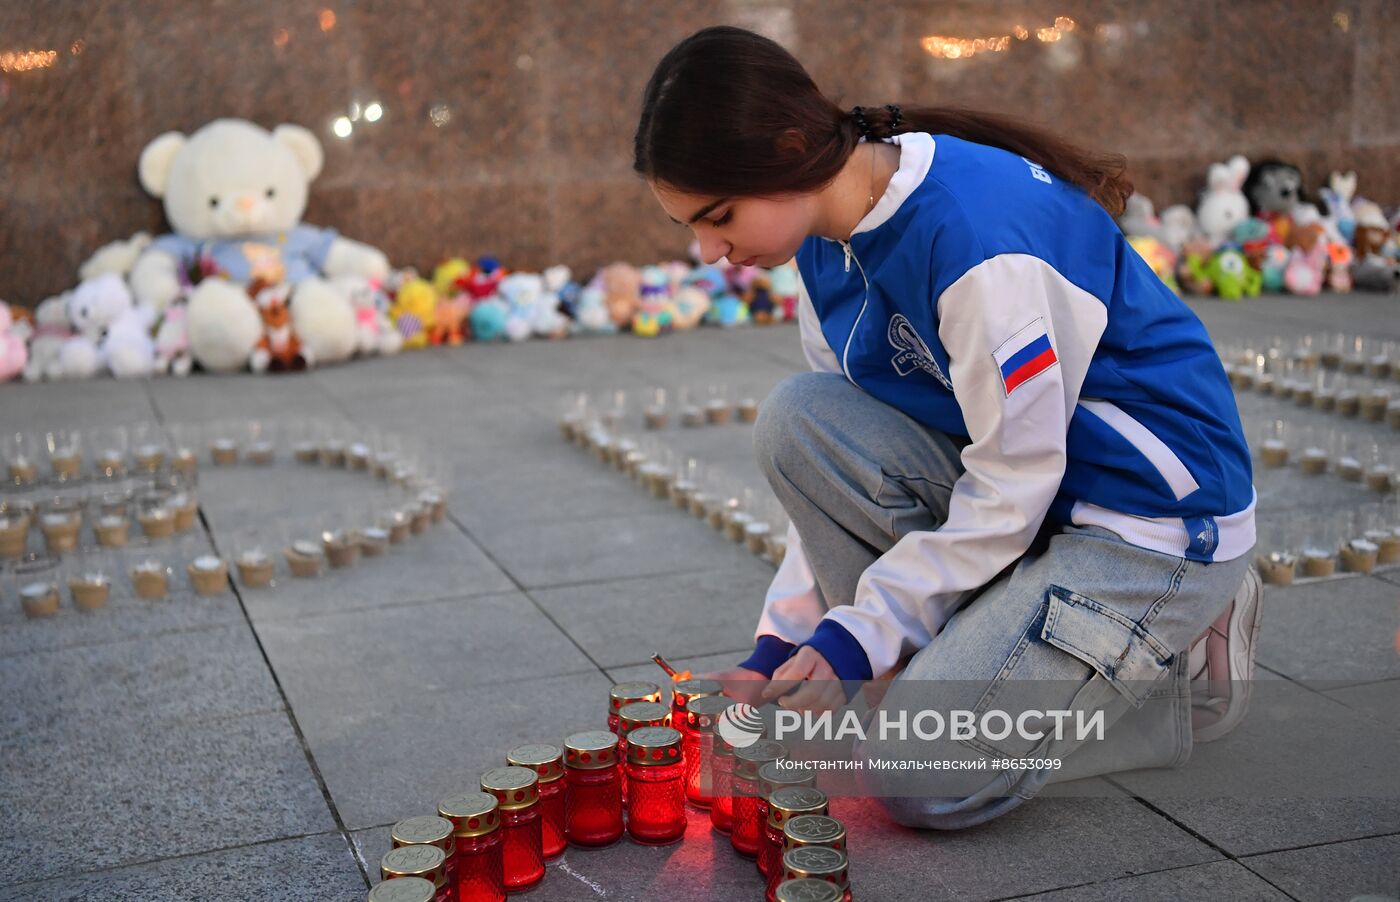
<point>1082,622</point>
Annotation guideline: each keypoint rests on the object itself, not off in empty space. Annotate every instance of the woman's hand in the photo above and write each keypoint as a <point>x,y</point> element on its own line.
<point>817,687</point>
<point>740,683</point>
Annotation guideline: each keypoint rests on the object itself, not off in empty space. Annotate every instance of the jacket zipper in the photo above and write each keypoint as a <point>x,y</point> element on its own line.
<point>845,353</point>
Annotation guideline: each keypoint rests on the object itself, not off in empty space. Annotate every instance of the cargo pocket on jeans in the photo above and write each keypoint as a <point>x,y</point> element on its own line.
<point>1121,650</point>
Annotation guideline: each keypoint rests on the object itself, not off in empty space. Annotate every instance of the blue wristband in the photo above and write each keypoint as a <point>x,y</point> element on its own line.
<point>768,654</point>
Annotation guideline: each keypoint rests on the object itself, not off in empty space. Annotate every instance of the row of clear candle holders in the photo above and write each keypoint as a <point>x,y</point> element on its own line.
<point>1348,353</point>
<point>1314,450</point>
<point>743,513</point>
<point>61,517</point>
<point>61,455</point>
<point>1306,544</point>
<point>656,408</point>
<point>635,778</point>
<point>1363,397</point>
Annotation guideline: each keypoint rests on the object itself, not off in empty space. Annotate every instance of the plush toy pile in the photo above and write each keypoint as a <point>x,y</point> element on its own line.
<point>243,284</point>
<point>1254,230</point>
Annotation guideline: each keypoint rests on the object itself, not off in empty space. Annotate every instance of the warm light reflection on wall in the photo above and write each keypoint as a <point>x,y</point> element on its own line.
<point>327,19</point>
<point>954,48</point>
<point>26,60</point>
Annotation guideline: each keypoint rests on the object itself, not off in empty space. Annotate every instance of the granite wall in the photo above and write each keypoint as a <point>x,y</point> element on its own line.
<point>506,124</point>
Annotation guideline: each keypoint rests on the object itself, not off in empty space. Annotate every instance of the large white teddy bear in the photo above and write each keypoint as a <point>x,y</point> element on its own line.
<point>234,194</point>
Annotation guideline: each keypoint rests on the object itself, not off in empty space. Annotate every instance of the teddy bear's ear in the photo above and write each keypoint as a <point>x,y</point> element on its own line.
<point>154,167</point>
<point>303,146</point>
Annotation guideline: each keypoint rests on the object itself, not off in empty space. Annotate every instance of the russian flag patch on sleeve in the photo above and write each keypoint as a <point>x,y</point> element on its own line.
<point>1024,356</point>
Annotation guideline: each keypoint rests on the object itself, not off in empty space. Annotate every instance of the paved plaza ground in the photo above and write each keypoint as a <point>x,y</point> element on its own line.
<point>258,744</point>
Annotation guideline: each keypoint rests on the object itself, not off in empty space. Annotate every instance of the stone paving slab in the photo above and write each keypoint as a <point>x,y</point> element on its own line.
<point>1379,701</point>
<point>1217,880</point>
<point>623,621</point>
<point>312,867</point>
<point>1334,871</point>
<point>1332,631</point>
<point>387,757</point>
<point>1301,769</point>
<point>157,792</point>
<point>72,692</point>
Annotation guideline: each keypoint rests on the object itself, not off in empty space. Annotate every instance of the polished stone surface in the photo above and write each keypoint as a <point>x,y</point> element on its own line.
<point>507,127</point>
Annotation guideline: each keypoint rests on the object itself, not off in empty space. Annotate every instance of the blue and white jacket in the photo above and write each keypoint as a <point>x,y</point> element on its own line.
<point>986,298</point>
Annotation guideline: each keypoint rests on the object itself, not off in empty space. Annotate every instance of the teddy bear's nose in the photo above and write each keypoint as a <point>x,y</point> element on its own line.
<point>245,203</point>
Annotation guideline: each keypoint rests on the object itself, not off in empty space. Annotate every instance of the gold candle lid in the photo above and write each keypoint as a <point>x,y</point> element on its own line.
<point>788,802</point>
<point>590,750</point>
<point>641,714</point>
<point>807,889</point>
<point>425,830</point>
<point>513,787</point>
<point>635,691</point>
<point>471,813</point>
<point>683,692</point>
<point>654,746</point>
<point>813,830</point>
<point>771,777</point>
<point>817,862</point>
<point>544,759</point>
<point>413,861</point>
<point>749,759</point>
<point>702,712</point>
<point>403,889</point>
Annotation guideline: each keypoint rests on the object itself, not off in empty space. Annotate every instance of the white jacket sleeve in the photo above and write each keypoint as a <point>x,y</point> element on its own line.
<point>994,322</point>
<point>793,607</point>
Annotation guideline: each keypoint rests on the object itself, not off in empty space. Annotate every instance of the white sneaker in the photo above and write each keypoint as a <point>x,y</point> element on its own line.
<point>1222,664</point>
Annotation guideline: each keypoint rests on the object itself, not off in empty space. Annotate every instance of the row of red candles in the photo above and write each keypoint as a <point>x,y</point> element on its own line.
<point>651,761</point>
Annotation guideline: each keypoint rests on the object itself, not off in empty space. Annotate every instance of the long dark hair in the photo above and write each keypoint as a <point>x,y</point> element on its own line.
<point>730,113</point>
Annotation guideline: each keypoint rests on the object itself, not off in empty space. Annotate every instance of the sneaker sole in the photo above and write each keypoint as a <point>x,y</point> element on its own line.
<point>1244,631</point>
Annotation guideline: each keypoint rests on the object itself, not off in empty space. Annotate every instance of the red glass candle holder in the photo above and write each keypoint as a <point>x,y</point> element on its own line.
<point>547,761</point>
<point>517,793</point>
<point>478,859</point>
<point>403,889</point>
<point>592,789</point>
<point>634,716</point>
<point>683,692</point>
<point>697,746</point>
<point>814,830</point>
<point>722,776</point>
<point>805,889</point>
<point>771,777</point>
<point>818,863</point>
<point>744,836</point>
<point>427,862</point>
<point>428,830</point>
<point>626,693</point>
<point>656,771</point>
<point>784,804</point>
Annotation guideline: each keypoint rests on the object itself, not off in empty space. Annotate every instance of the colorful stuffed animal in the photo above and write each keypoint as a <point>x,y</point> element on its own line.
<point>128,349</point>
<point>1307,263</point>
<point>591,313</point>
<point>279,349</point>
<point>172,341</point>
<point>1231,275</point>
<point>1191,268</point>
<point>1272,266</point>
<point>485,276</point>
<point>622,292</point>
<point>415,307</point>
<point>1158,256</point>
<point>1274,188</point>
<point>785,280</point>
<point>115,257</point>
<point>523,294</point>
<point>92,308</point>
<point>1338,216</point>
<point>14,354</point>
<point>488,319</point>
<point>234,195</point>
<point>51,331</point>
<point>1223,205</point>
<point>728,310</point>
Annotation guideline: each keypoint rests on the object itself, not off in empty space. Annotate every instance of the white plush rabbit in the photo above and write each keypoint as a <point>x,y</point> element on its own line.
<point>1223,205</point>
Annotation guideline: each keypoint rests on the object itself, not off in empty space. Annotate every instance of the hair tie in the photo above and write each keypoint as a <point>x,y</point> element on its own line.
<point>896,117</point>
<point>858,114</point>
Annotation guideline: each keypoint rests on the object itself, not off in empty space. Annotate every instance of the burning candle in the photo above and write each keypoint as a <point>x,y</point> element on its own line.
<point>333,453</point>
<point>14,531</point>
<point>784,804</point>
<point>208,574</point>
<point>304,558</point>
<point>697,743</point>
<point>111,462</point>
<point>403,889</point>
<point>626,693</point>
<point>744,836</point>
<point>814,830</point>
<point>748,410</point>
<point>1360,555</point>
<point>157,521</point>
<point>656,775</point>
<point>374,541</point>
<point>261,453</point>
<point>223,452</point>
<point>805,889</point>
<point>60,530</point>
<point>150,457</point>
<point>112,530</point>
<point>306,452</point>
<point>342,548</point>
<point>357,456</point>
<point>818,863</point>
<point>517,792</point>
<point>478,859</point>
<point>635,716</point>
<point>547,761</point>
<point>722,783</point>
<point>22,470</point>
<point>686,690</point>
<point>185,506</point>
<point>89,590</point>
<point>770,779</point>
<point>593,789</point>
<point>151,579</point>
<point>39,599</point>
<point>255,569</point>
<point>426,862</point>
